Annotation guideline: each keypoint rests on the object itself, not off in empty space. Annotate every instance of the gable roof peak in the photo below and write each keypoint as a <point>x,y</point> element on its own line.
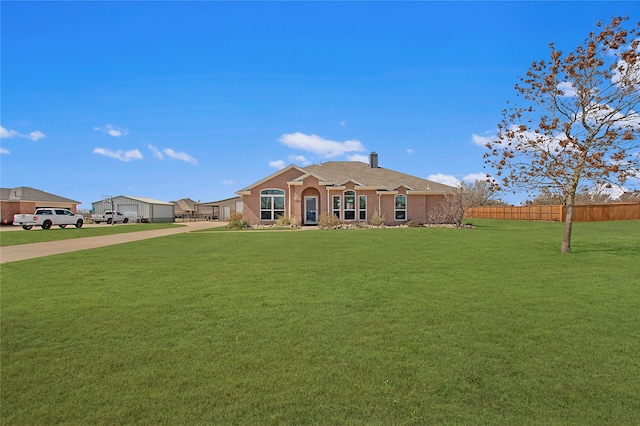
<point>247,189</point>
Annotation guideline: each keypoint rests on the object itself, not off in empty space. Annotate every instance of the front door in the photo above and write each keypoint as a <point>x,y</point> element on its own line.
<point>310,210</point>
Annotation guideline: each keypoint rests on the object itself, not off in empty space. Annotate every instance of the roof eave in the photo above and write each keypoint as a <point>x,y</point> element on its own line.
<point>247,190</point>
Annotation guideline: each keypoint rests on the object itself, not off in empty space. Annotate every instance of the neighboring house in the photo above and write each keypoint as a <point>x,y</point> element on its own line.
<point>136,207</point>
<point>184,208</point>
<point>25,200</point>
<point>222,209</point>
<point>188,209</point>
<point>352,191</point>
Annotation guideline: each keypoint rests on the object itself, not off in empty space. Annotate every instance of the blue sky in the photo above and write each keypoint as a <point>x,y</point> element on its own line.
<point>170,100</point>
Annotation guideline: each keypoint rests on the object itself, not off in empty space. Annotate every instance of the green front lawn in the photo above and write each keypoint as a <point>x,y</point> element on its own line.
<point>38,235</point>
<point>370,327</point>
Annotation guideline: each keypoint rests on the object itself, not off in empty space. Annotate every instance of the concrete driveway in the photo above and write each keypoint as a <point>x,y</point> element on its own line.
<point>31,251</point>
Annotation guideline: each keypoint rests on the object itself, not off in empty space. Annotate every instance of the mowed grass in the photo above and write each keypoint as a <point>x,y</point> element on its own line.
<point>38,235</point>
<point>371,327</point>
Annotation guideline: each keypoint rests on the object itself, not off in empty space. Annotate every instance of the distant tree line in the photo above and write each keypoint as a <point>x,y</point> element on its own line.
<point>584,197</point>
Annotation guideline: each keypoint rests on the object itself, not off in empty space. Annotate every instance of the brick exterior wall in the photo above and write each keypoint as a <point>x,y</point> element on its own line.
<point>418,205</point>
<point>9,208</point>
<point>251,209</point>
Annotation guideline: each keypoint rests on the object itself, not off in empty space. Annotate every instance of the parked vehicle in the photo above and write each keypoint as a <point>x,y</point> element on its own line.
<point>141,219</point>
<point>109,217</point>
<point>48,217</point>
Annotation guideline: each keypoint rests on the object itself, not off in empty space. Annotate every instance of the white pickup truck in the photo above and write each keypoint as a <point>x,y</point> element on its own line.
<point>48,217</point>
<point>109,217</point>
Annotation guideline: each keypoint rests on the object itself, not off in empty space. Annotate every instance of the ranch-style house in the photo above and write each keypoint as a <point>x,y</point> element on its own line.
<point>352,191</point>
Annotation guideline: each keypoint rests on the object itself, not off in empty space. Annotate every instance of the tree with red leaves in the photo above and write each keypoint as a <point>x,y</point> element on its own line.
<point>577,123</point>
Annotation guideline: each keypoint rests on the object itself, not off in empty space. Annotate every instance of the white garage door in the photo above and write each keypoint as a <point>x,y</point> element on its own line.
<point>129,210</point>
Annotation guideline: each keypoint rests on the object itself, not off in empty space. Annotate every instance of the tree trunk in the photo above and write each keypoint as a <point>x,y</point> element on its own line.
<point>568,223</point>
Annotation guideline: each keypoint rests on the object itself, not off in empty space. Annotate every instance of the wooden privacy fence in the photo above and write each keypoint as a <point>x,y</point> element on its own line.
<point>582,213</point>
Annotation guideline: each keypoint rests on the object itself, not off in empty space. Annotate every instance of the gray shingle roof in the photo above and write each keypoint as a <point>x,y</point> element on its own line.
<point>340,172</point>
<point>25,193</point>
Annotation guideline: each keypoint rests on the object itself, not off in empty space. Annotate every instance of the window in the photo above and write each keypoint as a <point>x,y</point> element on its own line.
<point>362,200</point>
<point>336,206</point>
<point>401,207</point>
<point>349,205</point>
<point>271,204</point>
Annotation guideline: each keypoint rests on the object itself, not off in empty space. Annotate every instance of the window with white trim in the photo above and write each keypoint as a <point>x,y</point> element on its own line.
<point>362,207</point>
<point>336,206</point>
<point>271,204</point>
<point>401,207</point>
<point>349,205</point>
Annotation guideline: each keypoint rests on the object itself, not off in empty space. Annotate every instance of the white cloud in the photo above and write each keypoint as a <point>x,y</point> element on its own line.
<point>119,154</point>
<point>472,177</point>
<point>624,73</point>
<point>156,152</point>
<point>34,136</point>
<point>568,89</point>
<point>614,192</point>
<point>4,151</point>
<point>599,113</point>
<point>409,151</point>
<point>299,159</point>
<point>358,157</point>
<point>6,134</point>
<point>112,130</point>
<point>482,140</point>
<point>529,140</point>
<point>182,156</point>
<point>343,123</point>
<point>278,164</point>
<point>320,146</point>
<point>445,179</point>
<point>228,182</point>
<point>451,180</point>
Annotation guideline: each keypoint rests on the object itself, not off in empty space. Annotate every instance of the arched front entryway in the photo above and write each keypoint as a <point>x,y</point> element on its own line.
<point>310,206</point>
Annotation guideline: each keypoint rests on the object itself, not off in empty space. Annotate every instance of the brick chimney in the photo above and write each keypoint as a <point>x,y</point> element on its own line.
<point>373,160</point>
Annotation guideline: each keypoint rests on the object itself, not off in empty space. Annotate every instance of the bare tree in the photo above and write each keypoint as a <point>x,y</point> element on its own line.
<point>478,193</point>
<point>546,198</point>
<point>595,195</point>
<point>630,197</point>
<point>455,204</point>
<point>449,211</point>
<point>577,122</point>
